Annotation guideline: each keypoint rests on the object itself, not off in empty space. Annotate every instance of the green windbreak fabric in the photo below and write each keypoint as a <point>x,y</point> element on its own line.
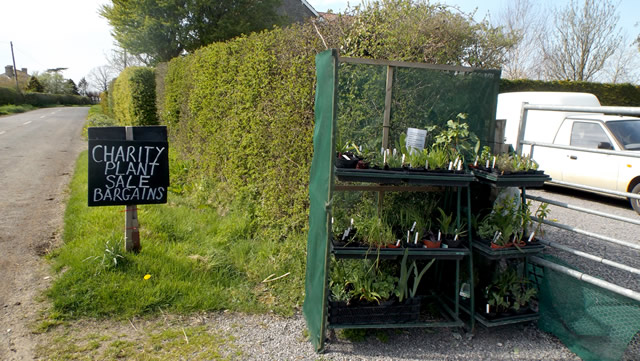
<point>593,322</point>
<point>421,98</point>
<point>320,194</point>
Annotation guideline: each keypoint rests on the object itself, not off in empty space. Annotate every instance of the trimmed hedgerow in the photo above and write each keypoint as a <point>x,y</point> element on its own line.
<point>9,96</point>
<point>242,113</point>
<point>134,97</point>
<point>608,94</point>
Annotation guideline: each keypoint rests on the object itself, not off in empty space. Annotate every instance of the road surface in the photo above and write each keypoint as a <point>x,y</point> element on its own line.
<point>37,154</point>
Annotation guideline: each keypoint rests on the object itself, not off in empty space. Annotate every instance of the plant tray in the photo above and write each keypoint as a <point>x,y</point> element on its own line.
<point>426,253</point>
<point>394,313</point>
<point>516,179</point>
<point>506,319</point>
<point>484,247</point>
<point>436,178</point>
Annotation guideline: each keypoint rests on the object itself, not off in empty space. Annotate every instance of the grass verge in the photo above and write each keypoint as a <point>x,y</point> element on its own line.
<point>149,340</point>
<point>13,109</point>
<point>196,259</point>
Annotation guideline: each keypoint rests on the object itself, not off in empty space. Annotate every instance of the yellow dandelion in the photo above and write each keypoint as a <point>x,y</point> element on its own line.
<point>147,276</point>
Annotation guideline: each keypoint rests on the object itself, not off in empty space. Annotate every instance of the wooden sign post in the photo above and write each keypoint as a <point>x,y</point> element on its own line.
<point>128,166</point>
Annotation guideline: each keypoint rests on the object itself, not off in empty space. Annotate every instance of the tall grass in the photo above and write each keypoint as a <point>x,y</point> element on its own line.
<point>196,259</point>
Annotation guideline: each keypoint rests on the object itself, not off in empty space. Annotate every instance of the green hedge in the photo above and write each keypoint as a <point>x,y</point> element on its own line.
<point>608,94</point>
<point>241,113</point>
<point>11,96</point>
<point>43,99</point>
<point>134,97</point>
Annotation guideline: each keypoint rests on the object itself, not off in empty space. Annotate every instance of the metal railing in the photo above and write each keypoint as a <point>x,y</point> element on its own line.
<point>579,275</point>
<point>562,269</point>
<point>564,108</point>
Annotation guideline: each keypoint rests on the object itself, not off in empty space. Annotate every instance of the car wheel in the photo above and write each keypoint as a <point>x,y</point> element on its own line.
<point>635,203</point>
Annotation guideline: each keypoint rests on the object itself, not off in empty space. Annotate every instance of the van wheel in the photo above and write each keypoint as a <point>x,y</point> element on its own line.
<point>635,203</point>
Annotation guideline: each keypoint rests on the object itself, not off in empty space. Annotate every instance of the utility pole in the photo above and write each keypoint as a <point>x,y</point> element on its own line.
<point>15,70</point>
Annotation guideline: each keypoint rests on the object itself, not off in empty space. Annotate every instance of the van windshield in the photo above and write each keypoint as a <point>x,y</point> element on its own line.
<point>627,132</point>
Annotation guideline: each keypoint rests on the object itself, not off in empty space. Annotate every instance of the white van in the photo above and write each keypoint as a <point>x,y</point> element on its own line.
<point>618,172</point>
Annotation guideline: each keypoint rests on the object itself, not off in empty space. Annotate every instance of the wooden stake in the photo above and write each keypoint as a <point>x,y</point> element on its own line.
<point>131,232</point>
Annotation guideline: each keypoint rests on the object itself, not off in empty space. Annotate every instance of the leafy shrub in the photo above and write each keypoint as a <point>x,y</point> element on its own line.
<point>134,97</point>
<point>9,96</point>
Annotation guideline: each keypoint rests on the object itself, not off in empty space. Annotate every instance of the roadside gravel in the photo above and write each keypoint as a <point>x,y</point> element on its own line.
<point>268,337</point>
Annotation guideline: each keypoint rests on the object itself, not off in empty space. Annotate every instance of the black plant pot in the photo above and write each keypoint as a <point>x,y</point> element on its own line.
<point>341,162</point>
<point>341,313</point>
<point>453,243</point>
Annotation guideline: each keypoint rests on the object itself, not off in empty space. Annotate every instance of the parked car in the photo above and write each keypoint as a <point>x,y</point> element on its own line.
<point>620,134</point>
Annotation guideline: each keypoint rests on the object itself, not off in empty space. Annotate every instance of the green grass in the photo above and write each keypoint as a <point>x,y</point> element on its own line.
<point>154,342</point>
<point>197,260</point>
<point>96,118</point>
<point>12,109</point>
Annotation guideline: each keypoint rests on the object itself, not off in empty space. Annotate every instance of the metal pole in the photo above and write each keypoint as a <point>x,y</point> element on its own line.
<point>586,278</point>
<point>596,189</point>
<point>583,109</point>
<point>585,210</point>
<point>590,234</point>
<point>605,261</point>
<point>15,70</point>
<point>521,127</point>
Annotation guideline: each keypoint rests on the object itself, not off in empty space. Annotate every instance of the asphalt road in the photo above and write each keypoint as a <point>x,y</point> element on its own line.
<point>37,154</point>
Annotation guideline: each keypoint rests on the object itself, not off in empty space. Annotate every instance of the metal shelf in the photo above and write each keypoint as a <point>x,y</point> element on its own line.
<point>520,179</point>
<point>419,253</point>
<point>512,252</point>
<point>445,179</point>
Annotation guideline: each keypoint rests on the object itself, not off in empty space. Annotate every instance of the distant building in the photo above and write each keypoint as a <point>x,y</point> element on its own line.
<point>8,72</point>
<point>7,79</point>
<point>297,10</point>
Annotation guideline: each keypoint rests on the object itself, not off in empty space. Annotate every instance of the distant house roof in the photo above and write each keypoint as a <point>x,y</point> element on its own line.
<point>297,10</point>
<point>8,72</point>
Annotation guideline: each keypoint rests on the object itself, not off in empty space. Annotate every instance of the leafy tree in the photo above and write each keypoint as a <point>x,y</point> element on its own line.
<point>581,40</point>
<point>34,85</point>
<point>83,86</point>
<point>54,83</point>
<point>164,29</point>
<point>417,30</point>
<point>72,88</point>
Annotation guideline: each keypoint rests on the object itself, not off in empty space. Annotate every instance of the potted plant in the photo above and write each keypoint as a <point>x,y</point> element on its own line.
<point>403,291</point>
<point>508,293</point>
<point>375,232</point>
<point>365,292</point>
<point>450,230</point>
<point>345,157</point>
<point>510,224</point>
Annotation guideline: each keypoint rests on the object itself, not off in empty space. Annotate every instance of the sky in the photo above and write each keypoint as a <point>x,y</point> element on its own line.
<point>71,34</point>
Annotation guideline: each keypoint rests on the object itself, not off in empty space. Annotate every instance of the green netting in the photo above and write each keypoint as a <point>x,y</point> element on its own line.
<point>593,322</point>
<point>420,97</point>
<point>320,181</point>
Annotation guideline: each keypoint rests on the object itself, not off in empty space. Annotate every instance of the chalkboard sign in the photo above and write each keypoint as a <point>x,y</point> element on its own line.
<point>128,172</point>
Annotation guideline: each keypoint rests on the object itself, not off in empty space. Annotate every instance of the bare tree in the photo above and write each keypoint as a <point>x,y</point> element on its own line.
<point>100,77</point>
<point>581,40</point>
<point>624,65</point>
<point>118,59</point>
<point>528,21</point>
